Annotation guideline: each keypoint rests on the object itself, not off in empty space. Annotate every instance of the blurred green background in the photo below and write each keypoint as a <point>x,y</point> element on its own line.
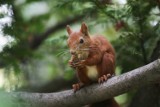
<point>33,51</point>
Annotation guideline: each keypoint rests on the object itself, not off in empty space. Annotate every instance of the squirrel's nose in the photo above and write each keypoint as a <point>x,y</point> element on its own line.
<point>72,52</point>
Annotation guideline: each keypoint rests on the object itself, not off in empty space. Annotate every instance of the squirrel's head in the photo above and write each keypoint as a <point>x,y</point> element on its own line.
<point>78,41</point>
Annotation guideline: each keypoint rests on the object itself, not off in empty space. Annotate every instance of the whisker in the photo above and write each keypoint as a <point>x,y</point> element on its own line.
<point>87,49</point>
<point>63,52</point>
<point>84,49</point>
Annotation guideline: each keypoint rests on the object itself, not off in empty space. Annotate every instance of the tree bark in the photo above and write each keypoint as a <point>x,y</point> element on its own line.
<point>117,85</point>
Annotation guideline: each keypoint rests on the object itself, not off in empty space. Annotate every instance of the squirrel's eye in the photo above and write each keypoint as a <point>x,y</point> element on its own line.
<point>81,41</point>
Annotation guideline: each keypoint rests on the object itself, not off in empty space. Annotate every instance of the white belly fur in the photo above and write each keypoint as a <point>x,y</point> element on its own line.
<point>92,72</point>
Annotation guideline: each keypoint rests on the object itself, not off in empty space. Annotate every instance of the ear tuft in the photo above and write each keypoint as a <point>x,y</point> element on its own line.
<point>68,29</point>
<point>84,29</point>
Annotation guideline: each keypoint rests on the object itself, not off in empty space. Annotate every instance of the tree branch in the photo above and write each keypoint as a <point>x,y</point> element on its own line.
<point>117,85</point>
<point>38,39</point>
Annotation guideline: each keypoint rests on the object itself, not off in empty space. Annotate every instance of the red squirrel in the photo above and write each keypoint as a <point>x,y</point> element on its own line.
<point>93,57</point>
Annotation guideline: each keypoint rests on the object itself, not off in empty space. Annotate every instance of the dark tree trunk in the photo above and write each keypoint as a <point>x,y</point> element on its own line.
<point>148,96</point>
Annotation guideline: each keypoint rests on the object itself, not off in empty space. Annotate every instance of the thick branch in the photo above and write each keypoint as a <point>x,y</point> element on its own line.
<point>117,85</point>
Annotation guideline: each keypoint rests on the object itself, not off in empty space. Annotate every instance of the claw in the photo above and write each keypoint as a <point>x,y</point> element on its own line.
<point>77,86</point>
<point>101,80</point>
<point>104,78</point>
<point>79,64</point>
<point>108,75</point>
<point>71,64</point>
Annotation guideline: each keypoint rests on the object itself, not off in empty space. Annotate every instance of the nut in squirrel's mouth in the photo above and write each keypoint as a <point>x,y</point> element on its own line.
<point>82,54</point>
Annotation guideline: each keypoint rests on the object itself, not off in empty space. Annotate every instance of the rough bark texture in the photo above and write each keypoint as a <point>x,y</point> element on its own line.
<point>117,85</point>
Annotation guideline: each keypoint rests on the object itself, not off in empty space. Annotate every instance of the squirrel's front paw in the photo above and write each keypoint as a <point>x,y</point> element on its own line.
<point>71,64</point>
<point>80,64</point>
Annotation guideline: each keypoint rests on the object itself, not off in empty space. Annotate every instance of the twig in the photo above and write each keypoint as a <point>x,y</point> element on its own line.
<point>38,39</point>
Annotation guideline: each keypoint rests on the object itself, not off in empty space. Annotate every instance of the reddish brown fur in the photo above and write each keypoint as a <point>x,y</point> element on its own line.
<point>101,55</point>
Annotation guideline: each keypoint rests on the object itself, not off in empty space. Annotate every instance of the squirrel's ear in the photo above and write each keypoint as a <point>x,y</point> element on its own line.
<point>69,30</point>
<point>84,29</point>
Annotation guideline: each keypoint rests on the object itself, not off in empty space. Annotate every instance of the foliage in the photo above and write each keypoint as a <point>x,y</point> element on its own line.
<point>133,28</point>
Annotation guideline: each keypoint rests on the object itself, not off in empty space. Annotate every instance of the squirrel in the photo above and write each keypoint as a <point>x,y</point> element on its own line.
<point>93,58</point>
